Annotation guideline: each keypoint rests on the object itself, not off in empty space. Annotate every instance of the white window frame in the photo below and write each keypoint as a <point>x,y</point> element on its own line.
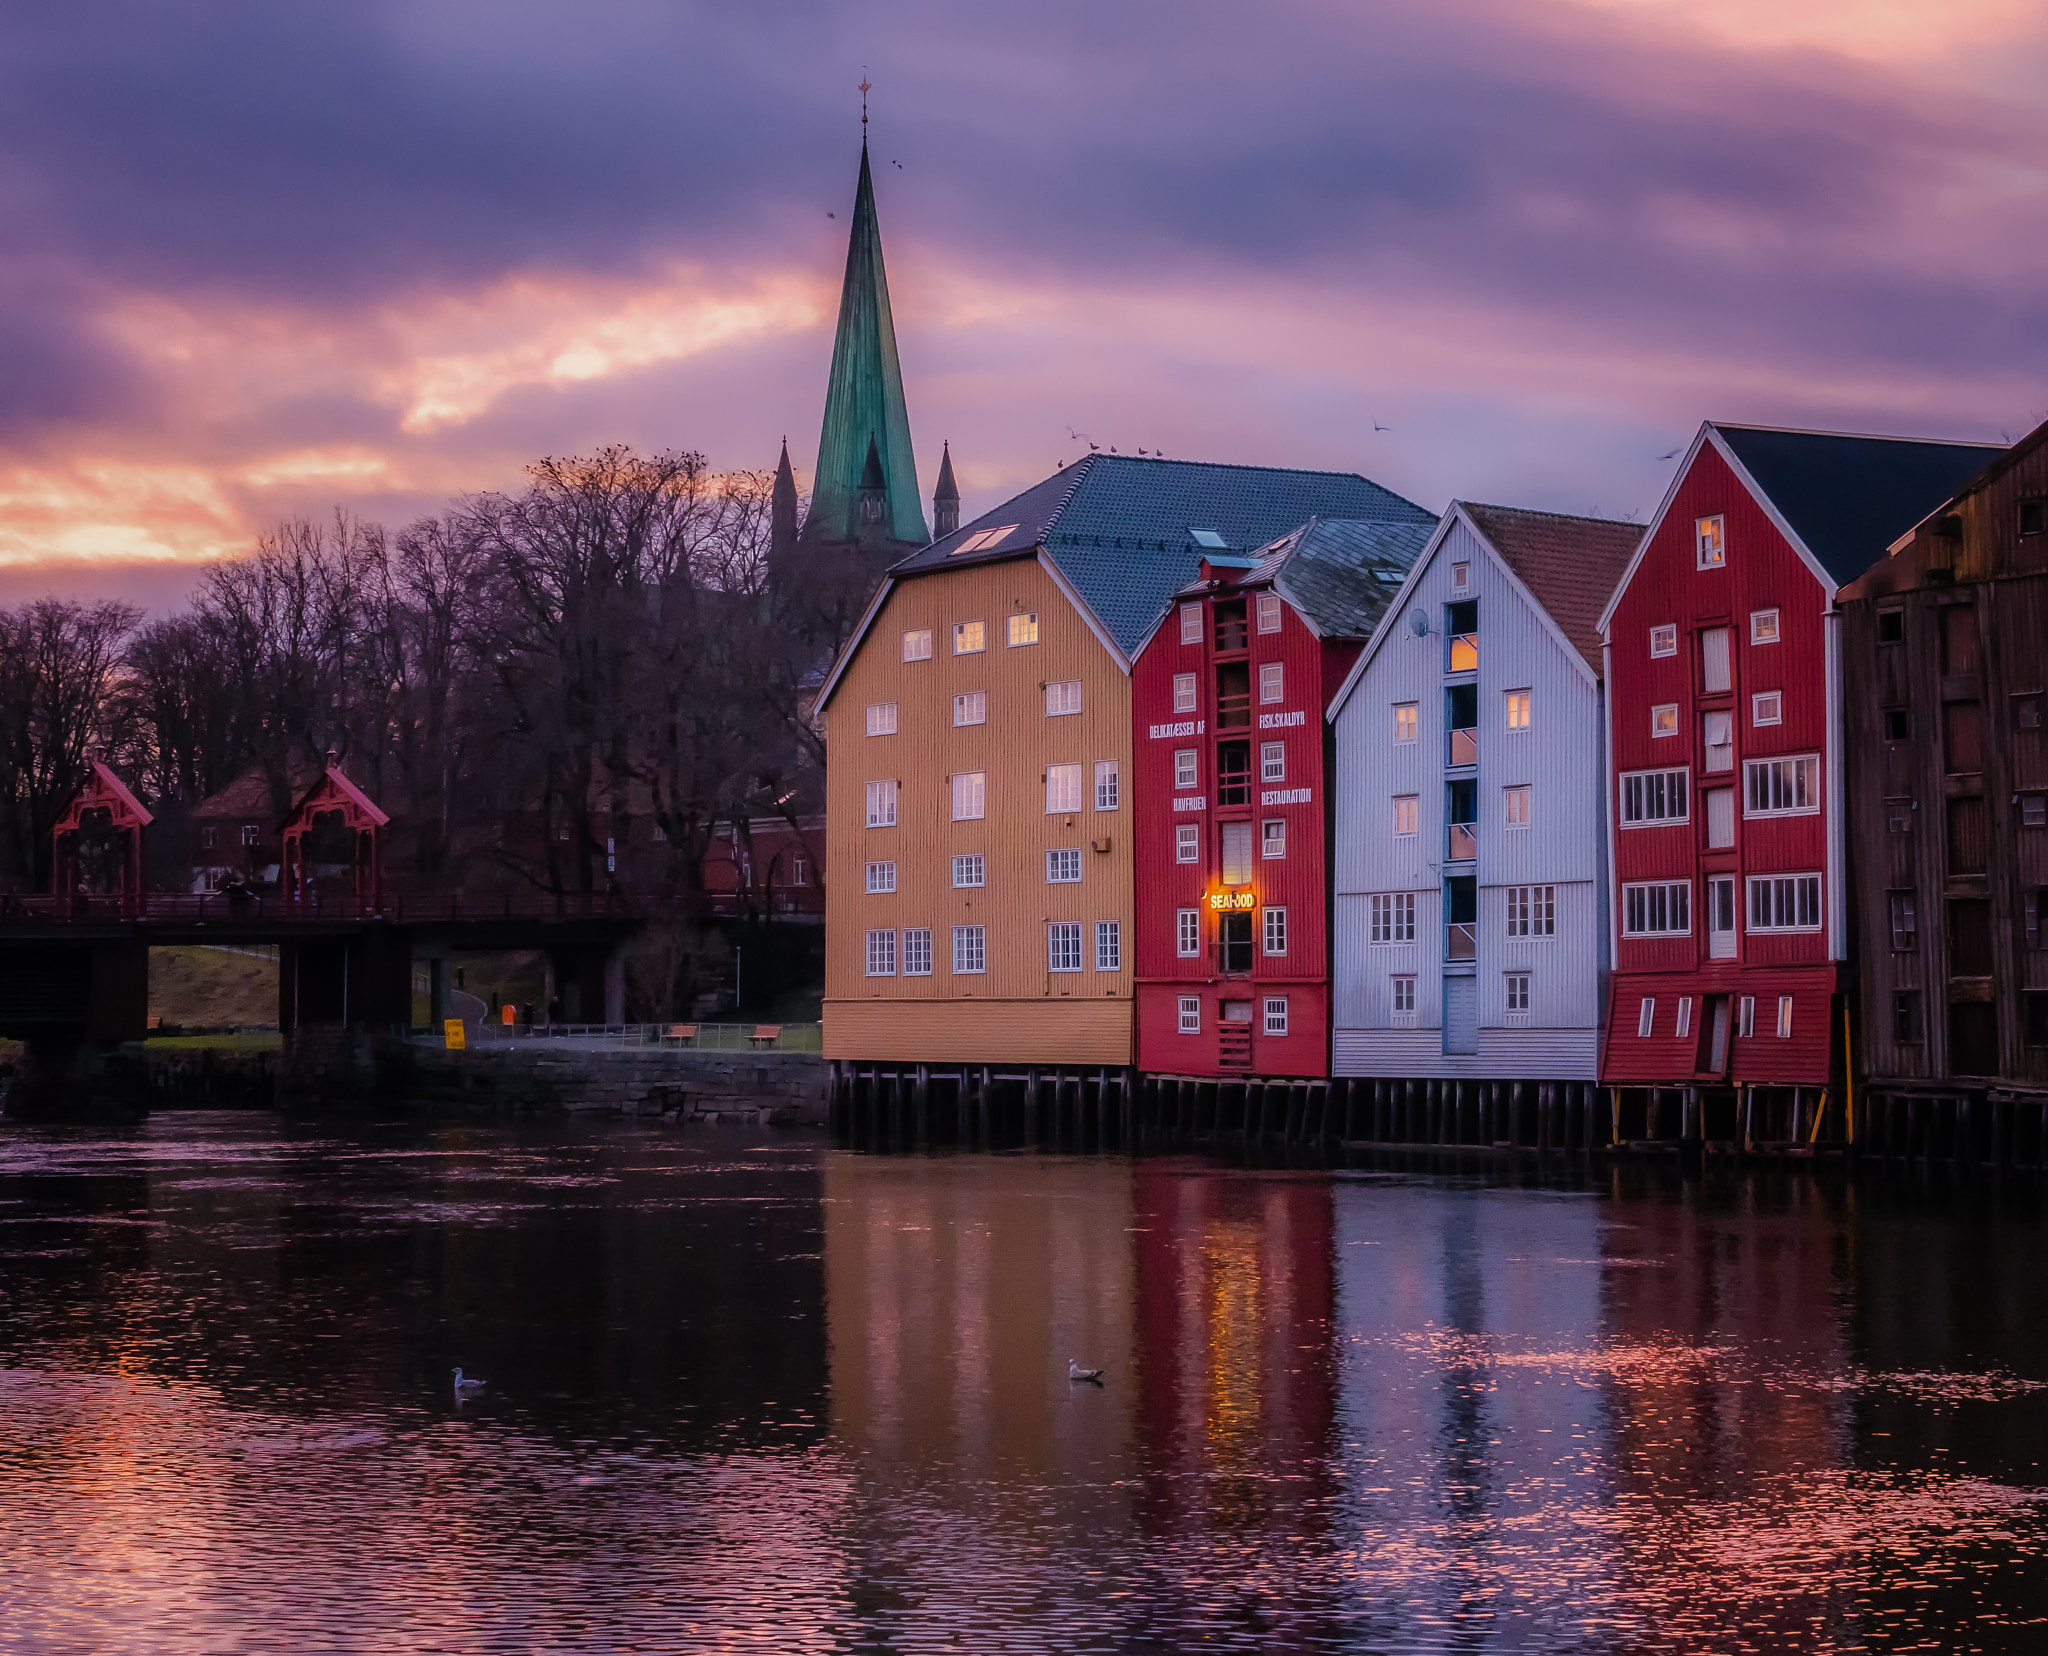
<point>1707,685</point>
<point>973,864</point>
<point>1401,1000</point>
<point>1272,839</point>
<point>1062,789</point>
<point>1412,815</point>
<point>1190,1015</point>
<point>1108,785</point>
<point>1407,722</point>
<point>1663,720</point>
<point>1515,987</point>
<point>881,877</point>
<point>1774,701</point>
<point>970,795</point>
<point>1276,1014</point>
<point>1062,698</point>
<point>1023,629</point>
<point>1784,1017</point>
<point>1062,944</point>
<point>1393,918</point>
<point>1531,910</point>
<point>1764,626</point>
<point>1777,893</point>
<point>1272,682</point>
<point>1191,624</point>
<point>1710,541</point>
<point>1187,933</point>
<point>1745,1017</point>
<point>1186,694</point>
<point>882,804</point>
<point>970,637</point>
<point>1675,781</point>
<point>1063,866</point>
<point>970,951</point>
<point>1516,702</point>
<point>1273,929</point>
<point>1514,799</point>
<point>1630,910</point>
<point>881,718</point>
<point>881,952</point>
<point>1711,750</point>
<point>1752,768</point>
<point>970,707</point>
<point>917,951</point>
<point>1664,640</point>
<point>1646,1017</point>
<point>917,644</point>
<point>1187,842</point>
<point>1269,612</point>
<point>1272,761</point>
<point>1109,946</point>
<point>1187,771</point>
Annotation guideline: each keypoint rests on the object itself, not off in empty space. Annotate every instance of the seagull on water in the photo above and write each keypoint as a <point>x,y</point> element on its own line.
<point>1076,1372</point>
<point>466,1388</point>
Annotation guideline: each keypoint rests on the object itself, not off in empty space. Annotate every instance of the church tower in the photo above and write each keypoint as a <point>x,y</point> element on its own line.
<point>864,493</point>
<point>945,498</point>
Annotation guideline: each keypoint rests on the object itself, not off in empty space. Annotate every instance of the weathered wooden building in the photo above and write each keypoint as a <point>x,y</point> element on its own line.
<point>1230,790</point>
<point>979,761</point>
<point>1945,669</point>
<point>1727,820</point>
<point>1470,868</point>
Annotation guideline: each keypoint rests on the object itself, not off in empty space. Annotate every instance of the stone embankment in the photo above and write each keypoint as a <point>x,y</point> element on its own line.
<point>690,1083</point>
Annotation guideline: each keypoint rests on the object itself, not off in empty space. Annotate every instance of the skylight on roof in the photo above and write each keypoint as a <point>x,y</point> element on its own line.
<point>1388,577</point>
<point>982,539</point>
<point>1209,540</point>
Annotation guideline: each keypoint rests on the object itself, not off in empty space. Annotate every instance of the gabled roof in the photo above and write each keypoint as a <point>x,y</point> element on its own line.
<point>1119,528</point>
<point>1569,564</point>
<point>99,779</point>
<point>335,776</point>
<point>1849,497</point>
<point>247,796</point>
<point>1341,573</point>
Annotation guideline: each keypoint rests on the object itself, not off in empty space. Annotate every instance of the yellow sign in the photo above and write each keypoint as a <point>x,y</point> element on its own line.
<point>453,1028</point>
<point>1233,900</point>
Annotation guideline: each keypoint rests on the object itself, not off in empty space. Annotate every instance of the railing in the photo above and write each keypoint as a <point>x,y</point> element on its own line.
<point>1232,634</point>
<point>212,907</point>
<point>1461,843</point>
<point>1464,748</point>
<point>1461,940</point>
<point>788,1037</point>
<point>1464,652</point>
<point>1234,712</point>
<point>1234,787</point>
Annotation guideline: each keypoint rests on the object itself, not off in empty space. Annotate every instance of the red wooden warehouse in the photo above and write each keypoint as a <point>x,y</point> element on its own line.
<point>1724,734</point>
<point>1231,796</point>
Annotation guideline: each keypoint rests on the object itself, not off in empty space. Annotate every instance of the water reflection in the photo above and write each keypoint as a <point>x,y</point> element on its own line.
<point>750,1392</point>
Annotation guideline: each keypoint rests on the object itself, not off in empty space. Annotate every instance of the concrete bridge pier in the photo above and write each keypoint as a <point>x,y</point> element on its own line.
<point>588,983</point>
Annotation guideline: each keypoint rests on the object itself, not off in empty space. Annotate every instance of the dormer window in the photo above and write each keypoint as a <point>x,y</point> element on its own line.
<point>1710,541</point>
<point>1461,577</point>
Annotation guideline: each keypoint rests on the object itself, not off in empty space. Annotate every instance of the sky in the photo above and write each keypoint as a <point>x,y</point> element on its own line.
<point>263,260</point>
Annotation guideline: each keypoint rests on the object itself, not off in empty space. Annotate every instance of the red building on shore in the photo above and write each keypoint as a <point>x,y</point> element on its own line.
<point>1231,798</point>
<point>1723,668</point>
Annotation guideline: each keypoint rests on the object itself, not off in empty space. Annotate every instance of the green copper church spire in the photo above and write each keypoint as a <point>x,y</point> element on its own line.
<point>864,405</point>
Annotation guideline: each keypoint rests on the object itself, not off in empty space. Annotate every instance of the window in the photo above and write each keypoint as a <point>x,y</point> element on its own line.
<point>917,644</point>
<point>1767,707</point>
<point>1518,992</point>
<point>209,838</point>
<point>1784,902</point>
<point>1393,917</point>
<point>1109,946</point>
<point>881,876</point>
<point>1187,843</point>
<point>1461,577</point>
<point>1717,735</point>
<point>1404,721</point>
<point>1891,626</point>
<point>881,718</point>
<point>1710,541</point>
<point>799,872</point>
<point>1664,720</point>
<point>2034,517</point>
<point>1269,612</point>
<point>1023,630</point>
<point>917,952</point>
<point>969,637</point>
<point>1273,838</point>
<point>1236,852</point>
<point>1187,932</point>
<point>970,795</point>
<point>881,954</point>
<point>1461,630</point>
<point>1404,813</point>
<point>1653,796</point>
<point>1906,1017</point>
<point>1272,761</point>
<point>970,708</point>
<point>881,804</point>
<point>1532,911</point>
<point>1905,926</point>
<point>1763,626</point>
<point>1183,692</point>
<point>1105,785</point>
<point>2026,712</point>
<point>2033,811</point>
<point>1190,624</point>
<point>1404,997</point>
<point>1664,640</point>
<point>1062,788</point>
<point>1720,819</point>
<point>1272,681</point>
<point>1715,663</point>
<point>1745,1017</point>
<point>251,834</point>
<point>1518,709</point>
<point>1185,772</point>
<point>1784,1017</point>
<point>1276,1014</point>
<point>1062,698</point>
<point>1191,1014</point>
<point>1276,931</point>
<point>1063,946</point>
<point>1898,816</point>
<point>1661,908</point>
<point>1516,803</point>
<point>1646,1018</point>
<point>1782,787</point>
<point>1063,867</point>
<point>970,870</point>
<point>970,949</point>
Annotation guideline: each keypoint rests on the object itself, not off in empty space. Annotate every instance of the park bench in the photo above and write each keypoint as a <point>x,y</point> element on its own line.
<point>766,1035</point>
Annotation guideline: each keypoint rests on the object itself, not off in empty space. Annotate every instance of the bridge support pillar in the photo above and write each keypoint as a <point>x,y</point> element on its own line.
<point>615,985</point>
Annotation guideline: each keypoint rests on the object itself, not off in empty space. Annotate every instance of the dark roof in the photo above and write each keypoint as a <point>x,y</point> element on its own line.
<point>946,488</point>
<point>247,796</point>
<point>1118,527</point>
<point>1850,497</point>
<point>1570,564</point>
<point>1343,572</point>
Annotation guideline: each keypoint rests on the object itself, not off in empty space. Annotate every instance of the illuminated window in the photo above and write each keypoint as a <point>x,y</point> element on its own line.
<point>1516,801</point>
<point>1763,626</point>
<point>1023,630</point>
<point>1664,720</point>
<point>1784,1017</point>
<point>1710,541</point>
<point>1269,612</point>
<point>969,637</point>
<point>1518,709</point>
<point>917,644</point>
<point>881,718</point>
<point>1664,640</point>
<point>1236,853</point>
<point>1405,813</point>
<point>1404,721</point>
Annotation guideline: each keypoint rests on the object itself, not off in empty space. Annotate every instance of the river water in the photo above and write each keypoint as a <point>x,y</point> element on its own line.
<point>749,1392</point>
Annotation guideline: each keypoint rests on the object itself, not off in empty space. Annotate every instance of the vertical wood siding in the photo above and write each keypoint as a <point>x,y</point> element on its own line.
<point>908,1018</point>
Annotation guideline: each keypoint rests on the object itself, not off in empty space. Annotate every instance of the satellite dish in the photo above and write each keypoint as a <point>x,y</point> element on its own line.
<point>1418,618</point>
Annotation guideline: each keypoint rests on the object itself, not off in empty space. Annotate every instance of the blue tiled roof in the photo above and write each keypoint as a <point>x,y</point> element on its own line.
<point>1119,528</point>
<point>1850,497</point>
